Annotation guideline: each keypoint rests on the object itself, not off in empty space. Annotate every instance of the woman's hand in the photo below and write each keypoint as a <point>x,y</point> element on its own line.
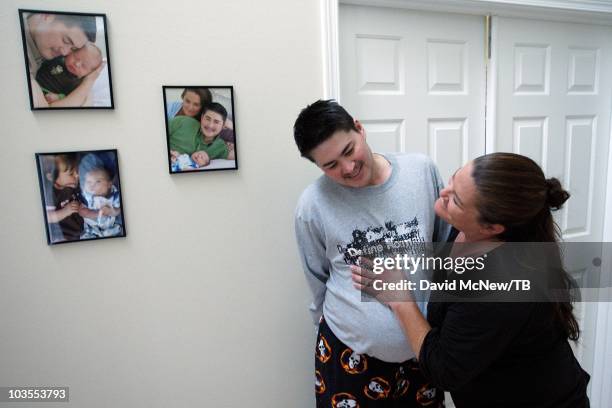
<point>388,287</point>
<point>391,288</point>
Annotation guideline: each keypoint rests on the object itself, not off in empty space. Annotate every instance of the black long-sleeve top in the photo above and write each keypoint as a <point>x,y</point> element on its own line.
<point>502,354</point>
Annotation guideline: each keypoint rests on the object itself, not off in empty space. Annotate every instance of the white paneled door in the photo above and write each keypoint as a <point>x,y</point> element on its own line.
<point>416,80</point>
<point>553,105</point>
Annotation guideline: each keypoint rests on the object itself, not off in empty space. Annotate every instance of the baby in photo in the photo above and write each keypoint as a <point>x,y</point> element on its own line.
<point>101,199</point>
<point>60,76</point>
<point>183,162</point>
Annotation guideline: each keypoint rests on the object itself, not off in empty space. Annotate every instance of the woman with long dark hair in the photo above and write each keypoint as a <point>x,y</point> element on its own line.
<point>191,104</point>
<point>499,353</point>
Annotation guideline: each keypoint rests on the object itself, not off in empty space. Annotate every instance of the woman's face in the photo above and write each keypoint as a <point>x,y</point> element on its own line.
<point>457,204</point>
<point>191,104</point>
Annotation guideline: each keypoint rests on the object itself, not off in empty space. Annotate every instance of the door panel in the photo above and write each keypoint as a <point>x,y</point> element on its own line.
<point>416,80</point>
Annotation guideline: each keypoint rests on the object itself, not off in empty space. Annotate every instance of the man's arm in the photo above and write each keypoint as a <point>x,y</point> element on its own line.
<point>79,95</point>
<point>216,150</point>
<point>315,264</point>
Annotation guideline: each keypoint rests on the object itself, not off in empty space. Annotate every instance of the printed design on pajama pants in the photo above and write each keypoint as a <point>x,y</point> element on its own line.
<point>347,379</point>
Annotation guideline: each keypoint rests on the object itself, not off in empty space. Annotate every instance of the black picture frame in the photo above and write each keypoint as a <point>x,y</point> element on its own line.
<point>67,178</point>
<point>57,73</point>
<point>174,97</point>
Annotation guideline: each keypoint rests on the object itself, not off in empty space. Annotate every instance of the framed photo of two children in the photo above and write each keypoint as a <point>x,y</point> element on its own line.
<point>66,60</point>
<point>81,195</point>
<point>200,128</point>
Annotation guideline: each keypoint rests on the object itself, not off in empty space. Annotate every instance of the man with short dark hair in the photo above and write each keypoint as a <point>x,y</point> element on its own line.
<point>364,200</point>
<point>49,36</point>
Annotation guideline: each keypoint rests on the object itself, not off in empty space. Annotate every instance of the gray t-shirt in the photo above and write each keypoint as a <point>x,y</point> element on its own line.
<point>332,221</point>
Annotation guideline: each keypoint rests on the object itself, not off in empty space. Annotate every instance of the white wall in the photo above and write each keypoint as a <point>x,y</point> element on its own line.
<point>204,303</point>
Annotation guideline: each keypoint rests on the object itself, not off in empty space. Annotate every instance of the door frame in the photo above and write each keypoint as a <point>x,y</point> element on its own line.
<point>572,11</point>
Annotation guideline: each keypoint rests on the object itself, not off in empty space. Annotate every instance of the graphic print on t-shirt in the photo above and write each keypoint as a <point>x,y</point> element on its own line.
<point>375,241</point>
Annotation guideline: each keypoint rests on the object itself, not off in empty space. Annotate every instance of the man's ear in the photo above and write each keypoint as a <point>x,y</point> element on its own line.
<point>49,177</point>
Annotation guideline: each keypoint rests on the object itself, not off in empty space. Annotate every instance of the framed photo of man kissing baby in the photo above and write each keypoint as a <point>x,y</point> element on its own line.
<point>81,195</point>
<point>66,59</point>
<point>200,128</point>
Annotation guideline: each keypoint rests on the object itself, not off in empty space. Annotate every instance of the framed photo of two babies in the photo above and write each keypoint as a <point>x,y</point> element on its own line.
<point>81,195</point>
<point>200,128</point>
<point>66,60</point>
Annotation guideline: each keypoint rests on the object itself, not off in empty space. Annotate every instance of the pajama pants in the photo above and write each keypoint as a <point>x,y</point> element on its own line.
<point>345,379</point>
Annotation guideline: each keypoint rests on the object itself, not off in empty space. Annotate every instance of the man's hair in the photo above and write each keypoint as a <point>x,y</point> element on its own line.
<point>215,107</point>
<point>318,122</point>
<point>87,23</point>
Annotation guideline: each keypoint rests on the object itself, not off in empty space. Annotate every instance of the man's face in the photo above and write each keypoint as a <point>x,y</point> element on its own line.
<point>54,39</point>
<point>211,124</point>
<point>83,61</point>
<point>346,158</point>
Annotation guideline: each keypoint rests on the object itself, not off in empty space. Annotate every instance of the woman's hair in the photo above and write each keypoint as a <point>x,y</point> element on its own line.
<point>205,98</point>
<point>512,191</point>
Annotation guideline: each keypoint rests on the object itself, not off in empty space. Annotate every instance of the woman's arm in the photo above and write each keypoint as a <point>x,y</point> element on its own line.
<point>413,323</point>
<point>406,311</point>
<point>470,337</point>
